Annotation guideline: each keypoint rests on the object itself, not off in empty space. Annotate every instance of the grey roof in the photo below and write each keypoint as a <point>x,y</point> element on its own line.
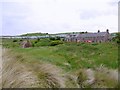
<point>92,34</point>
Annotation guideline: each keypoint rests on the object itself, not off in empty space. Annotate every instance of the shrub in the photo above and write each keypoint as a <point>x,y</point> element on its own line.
<point>57,38</point>
<point>82,43</point>
<point>43,42</point>
<point>33,45</point>
<point>54,43</point>
<point>21,40</point>
<point>94,43</point>
<point>36,41</point>
<point>15,40</point>
<point>52,38</point>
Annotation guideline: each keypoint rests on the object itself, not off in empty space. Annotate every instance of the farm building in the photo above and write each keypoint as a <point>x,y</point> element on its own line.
<point>89,37</point>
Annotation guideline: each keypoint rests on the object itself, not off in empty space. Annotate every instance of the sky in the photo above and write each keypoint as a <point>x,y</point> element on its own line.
<point>57,16</point>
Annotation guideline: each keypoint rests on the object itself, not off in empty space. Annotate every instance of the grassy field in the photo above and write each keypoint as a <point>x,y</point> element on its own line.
<point>71,58</point>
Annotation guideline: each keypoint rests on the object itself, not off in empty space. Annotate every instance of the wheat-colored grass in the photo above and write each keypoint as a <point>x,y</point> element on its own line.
<point>17,74</point>
<point>101,77</point>
<point>0,66</point>
<point>49,75</point>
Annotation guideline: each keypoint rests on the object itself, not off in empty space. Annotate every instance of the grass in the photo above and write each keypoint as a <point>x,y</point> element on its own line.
<point>54,65</point>
<point>15,74</point>
<point>103,80</point>
<point>19,74</point>
<point>86,55</point>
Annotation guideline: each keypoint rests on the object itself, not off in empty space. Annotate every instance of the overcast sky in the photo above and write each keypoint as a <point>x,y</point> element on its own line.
<point>57,16</point>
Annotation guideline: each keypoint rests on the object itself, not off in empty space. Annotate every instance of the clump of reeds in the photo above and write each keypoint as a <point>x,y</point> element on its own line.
<point>18,74</point>
<point>49,75</point>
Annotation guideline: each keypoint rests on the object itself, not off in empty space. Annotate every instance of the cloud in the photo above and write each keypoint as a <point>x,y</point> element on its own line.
<point>113,2</point>
<point>53,16</point>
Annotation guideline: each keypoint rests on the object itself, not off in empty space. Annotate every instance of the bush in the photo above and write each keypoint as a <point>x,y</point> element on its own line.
<point>36,41</point>
<point>52,38</point>
<point>57,38</point>
<point>94,43</point>
<point>33,45</point>
<point>21,40</point>
<point>14,40</point>
<point>43,42</point>
<point>118,42</point>
<point>54,43</point>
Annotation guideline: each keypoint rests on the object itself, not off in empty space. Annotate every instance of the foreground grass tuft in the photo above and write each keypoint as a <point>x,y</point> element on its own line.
<point>18,74</point>
<point>15,74</point>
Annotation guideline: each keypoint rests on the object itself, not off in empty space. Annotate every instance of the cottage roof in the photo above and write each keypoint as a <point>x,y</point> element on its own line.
<point>92,34</point>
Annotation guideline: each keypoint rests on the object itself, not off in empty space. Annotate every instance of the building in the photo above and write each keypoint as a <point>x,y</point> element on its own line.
<point>89,37</point>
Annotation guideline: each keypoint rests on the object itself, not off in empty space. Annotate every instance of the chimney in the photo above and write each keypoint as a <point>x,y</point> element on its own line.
<point>107,30</point>
<point>98,31</point>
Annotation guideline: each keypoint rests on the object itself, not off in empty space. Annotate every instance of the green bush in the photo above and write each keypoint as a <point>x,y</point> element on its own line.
<point>54,43</point>
<point>94,43</point>
<point>21,40</point>
<point>15,40</point>
<point>33,45</point>
<point>52,38</point>
<point>57,38</point>
<point>36,41</point>
<point>43,42</point>
<point>46,42</point>
<point>118,42</point>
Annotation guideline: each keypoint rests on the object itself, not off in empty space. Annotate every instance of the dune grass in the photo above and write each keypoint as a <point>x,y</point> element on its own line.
<point>16,74</point>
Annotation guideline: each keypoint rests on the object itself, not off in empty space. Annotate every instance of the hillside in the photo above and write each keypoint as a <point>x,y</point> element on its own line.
<point>42,34</point>
<point>34,34</point>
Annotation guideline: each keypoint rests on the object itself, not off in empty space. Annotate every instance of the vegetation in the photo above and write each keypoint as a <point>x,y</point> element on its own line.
<point>42,34</point>
<point>35,34</point>
<point>49,58</point>
<point>117,38</point>
<point>16,74</point>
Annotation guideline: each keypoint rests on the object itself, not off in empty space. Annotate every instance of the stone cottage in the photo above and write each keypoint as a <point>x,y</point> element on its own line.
<point>89,37</point>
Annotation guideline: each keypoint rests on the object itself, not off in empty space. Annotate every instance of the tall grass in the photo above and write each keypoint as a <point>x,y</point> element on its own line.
<point>0,66</point>
<point>102,78</point>
<point>16,74</point>
<point>49,75</point>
